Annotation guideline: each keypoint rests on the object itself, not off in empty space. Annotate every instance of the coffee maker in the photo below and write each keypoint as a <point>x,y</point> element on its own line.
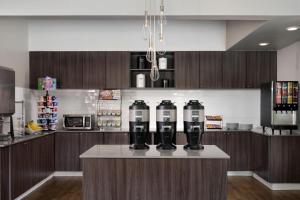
<point>166,114</point>
<point>138,125</point>
<point>193,117</point>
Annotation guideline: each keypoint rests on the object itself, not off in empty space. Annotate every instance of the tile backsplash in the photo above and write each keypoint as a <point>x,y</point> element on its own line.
<point>241,106</point>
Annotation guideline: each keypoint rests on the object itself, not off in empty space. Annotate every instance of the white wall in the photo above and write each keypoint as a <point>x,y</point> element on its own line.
<point>288,63</point>
<point>136,7</point>
<point>14,48</point>
<point>122,35</point>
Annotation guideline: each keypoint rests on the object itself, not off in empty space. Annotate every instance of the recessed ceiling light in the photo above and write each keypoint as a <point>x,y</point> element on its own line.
<point>293,28</point>
<point>263,44</point>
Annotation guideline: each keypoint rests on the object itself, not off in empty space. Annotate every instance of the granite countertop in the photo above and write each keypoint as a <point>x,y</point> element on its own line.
<point>123,151</point>
<point>24,138</point>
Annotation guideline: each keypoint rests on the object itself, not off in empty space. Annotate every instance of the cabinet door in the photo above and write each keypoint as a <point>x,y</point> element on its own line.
<point>234,69</point>
<point>187,70</point>
<point>116,138</point>
<point>22,168</point>
<point>4,175</point>
<point>43,64</point>
<point>215,138</point>
<point>211,69</point>
<point>261,68</point>
<point>71,64</point>
<point>117,70</point>
<point>94,70</point>
<point>181,139</point>
<point>239,149</point>
<point>67,151</point>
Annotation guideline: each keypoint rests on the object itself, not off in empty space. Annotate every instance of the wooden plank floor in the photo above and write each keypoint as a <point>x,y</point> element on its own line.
<point>239,188</point>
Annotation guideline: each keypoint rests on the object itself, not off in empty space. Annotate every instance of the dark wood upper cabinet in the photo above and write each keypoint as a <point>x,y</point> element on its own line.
<point>71,64</point>
<point>44,64</point>
<point>117,70</point>
<point>234,69</point>
<point>187,70</point>
<point>211,64</point>
<point>261,68</point>
<point>94,70</point>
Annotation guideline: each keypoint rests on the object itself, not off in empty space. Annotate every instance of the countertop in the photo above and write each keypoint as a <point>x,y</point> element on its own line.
<point>123,151</point>
<point>24,138</point>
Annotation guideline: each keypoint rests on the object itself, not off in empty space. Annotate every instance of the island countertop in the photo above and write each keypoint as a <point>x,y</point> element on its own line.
<point>123,151</point>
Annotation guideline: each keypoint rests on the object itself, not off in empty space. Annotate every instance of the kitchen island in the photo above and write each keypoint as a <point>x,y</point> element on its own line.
<point>115,172</point>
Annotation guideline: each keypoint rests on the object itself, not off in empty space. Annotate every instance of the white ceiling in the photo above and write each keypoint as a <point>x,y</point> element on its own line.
<point>273,32</point>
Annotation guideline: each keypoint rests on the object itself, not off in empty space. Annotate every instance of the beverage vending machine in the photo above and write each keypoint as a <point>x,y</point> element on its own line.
<point>279,105</point>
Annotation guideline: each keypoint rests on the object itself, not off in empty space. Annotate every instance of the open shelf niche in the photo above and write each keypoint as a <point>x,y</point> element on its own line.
<point>137,68</point>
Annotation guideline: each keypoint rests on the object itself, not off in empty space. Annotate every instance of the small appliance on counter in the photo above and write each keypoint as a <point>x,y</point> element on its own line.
<point>78,121</point>
<point>139,116</point>
<point>166,121</point>
<point>279,105</point>
<point>109,108</point>
<point>193,117</point>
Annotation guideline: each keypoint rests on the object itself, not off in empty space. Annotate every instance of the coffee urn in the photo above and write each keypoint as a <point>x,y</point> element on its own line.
<point>139,124</point>
<point>193,117</point>
<point>166,114</point>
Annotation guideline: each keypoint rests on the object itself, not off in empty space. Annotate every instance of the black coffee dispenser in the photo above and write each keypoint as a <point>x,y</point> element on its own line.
<point>138,124</point>
<point>166,114</point>
<point>193,116</point>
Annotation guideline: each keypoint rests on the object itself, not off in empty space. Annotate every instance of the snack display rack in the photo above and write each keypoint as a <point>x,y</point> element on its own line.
<point>214,122</point>
<point>47,105</point>
<point>109,106</point>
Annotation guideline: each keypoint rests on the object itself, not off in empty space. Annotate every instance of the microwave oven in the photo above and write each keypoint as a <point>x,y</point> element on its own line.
<point>78,121</point>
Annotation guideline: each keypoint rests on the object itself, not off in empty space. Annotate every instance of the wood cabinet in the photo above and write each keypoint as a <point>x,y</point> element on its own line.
<point>31,162</point>
<point>239,149</point>
<point>94,70</point>
<point>181,139</point>
<point>88,140</point>
<point>67,151</point>
<point>215,138</point>
<point>44,64</point>
<point>116,138</point>
<point>234,69</point>
<point>236,144</point>
<point>187,71</point>
<point>211,64</point>
<point>117,70</point>
<point>259,155</point>
<point>71,65</point>
<point>4,173</point>
<point>261,68</point>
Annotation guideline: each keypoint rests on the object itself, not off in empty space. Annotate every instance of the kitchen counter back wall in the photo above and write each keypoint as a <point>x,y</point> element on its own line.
<point>235,105</point>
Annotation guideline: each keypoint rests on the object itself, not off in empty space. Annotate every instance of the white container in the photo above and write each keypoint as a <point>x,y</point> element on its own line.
<point>140,81</point>
<point>162,63</point>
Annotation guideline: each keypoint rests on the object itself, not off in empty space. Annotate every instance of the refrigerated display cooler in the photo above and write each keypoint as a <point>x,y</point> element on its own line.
<point>279,105</point>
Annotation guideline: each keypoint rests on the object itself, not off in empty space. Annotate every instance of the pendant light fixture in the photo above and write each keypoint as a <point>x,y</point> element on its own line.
<point>155,46</point>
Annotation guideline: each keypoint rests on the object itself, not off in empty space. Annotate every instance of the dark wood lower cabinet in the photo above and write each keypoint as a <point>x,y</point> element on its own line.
<point>236,144</point>
<point>88,140</point>
<point>67,151</point>
<point>4,173</point>
<point>31,162</point>
<point>116,138</point>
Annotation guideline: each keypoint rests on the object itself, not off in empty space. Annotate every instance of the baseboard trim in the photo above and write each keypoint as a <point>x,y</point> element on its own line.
<point>239,173</point>
<point>277,186</point>
<point>67,173</point>
<point>34,188</point>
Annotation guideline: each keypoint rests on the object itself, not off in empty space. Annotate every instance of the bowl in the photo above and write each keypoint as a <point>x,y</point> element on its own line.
<point>232,126</point>
<point>245,127</point>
